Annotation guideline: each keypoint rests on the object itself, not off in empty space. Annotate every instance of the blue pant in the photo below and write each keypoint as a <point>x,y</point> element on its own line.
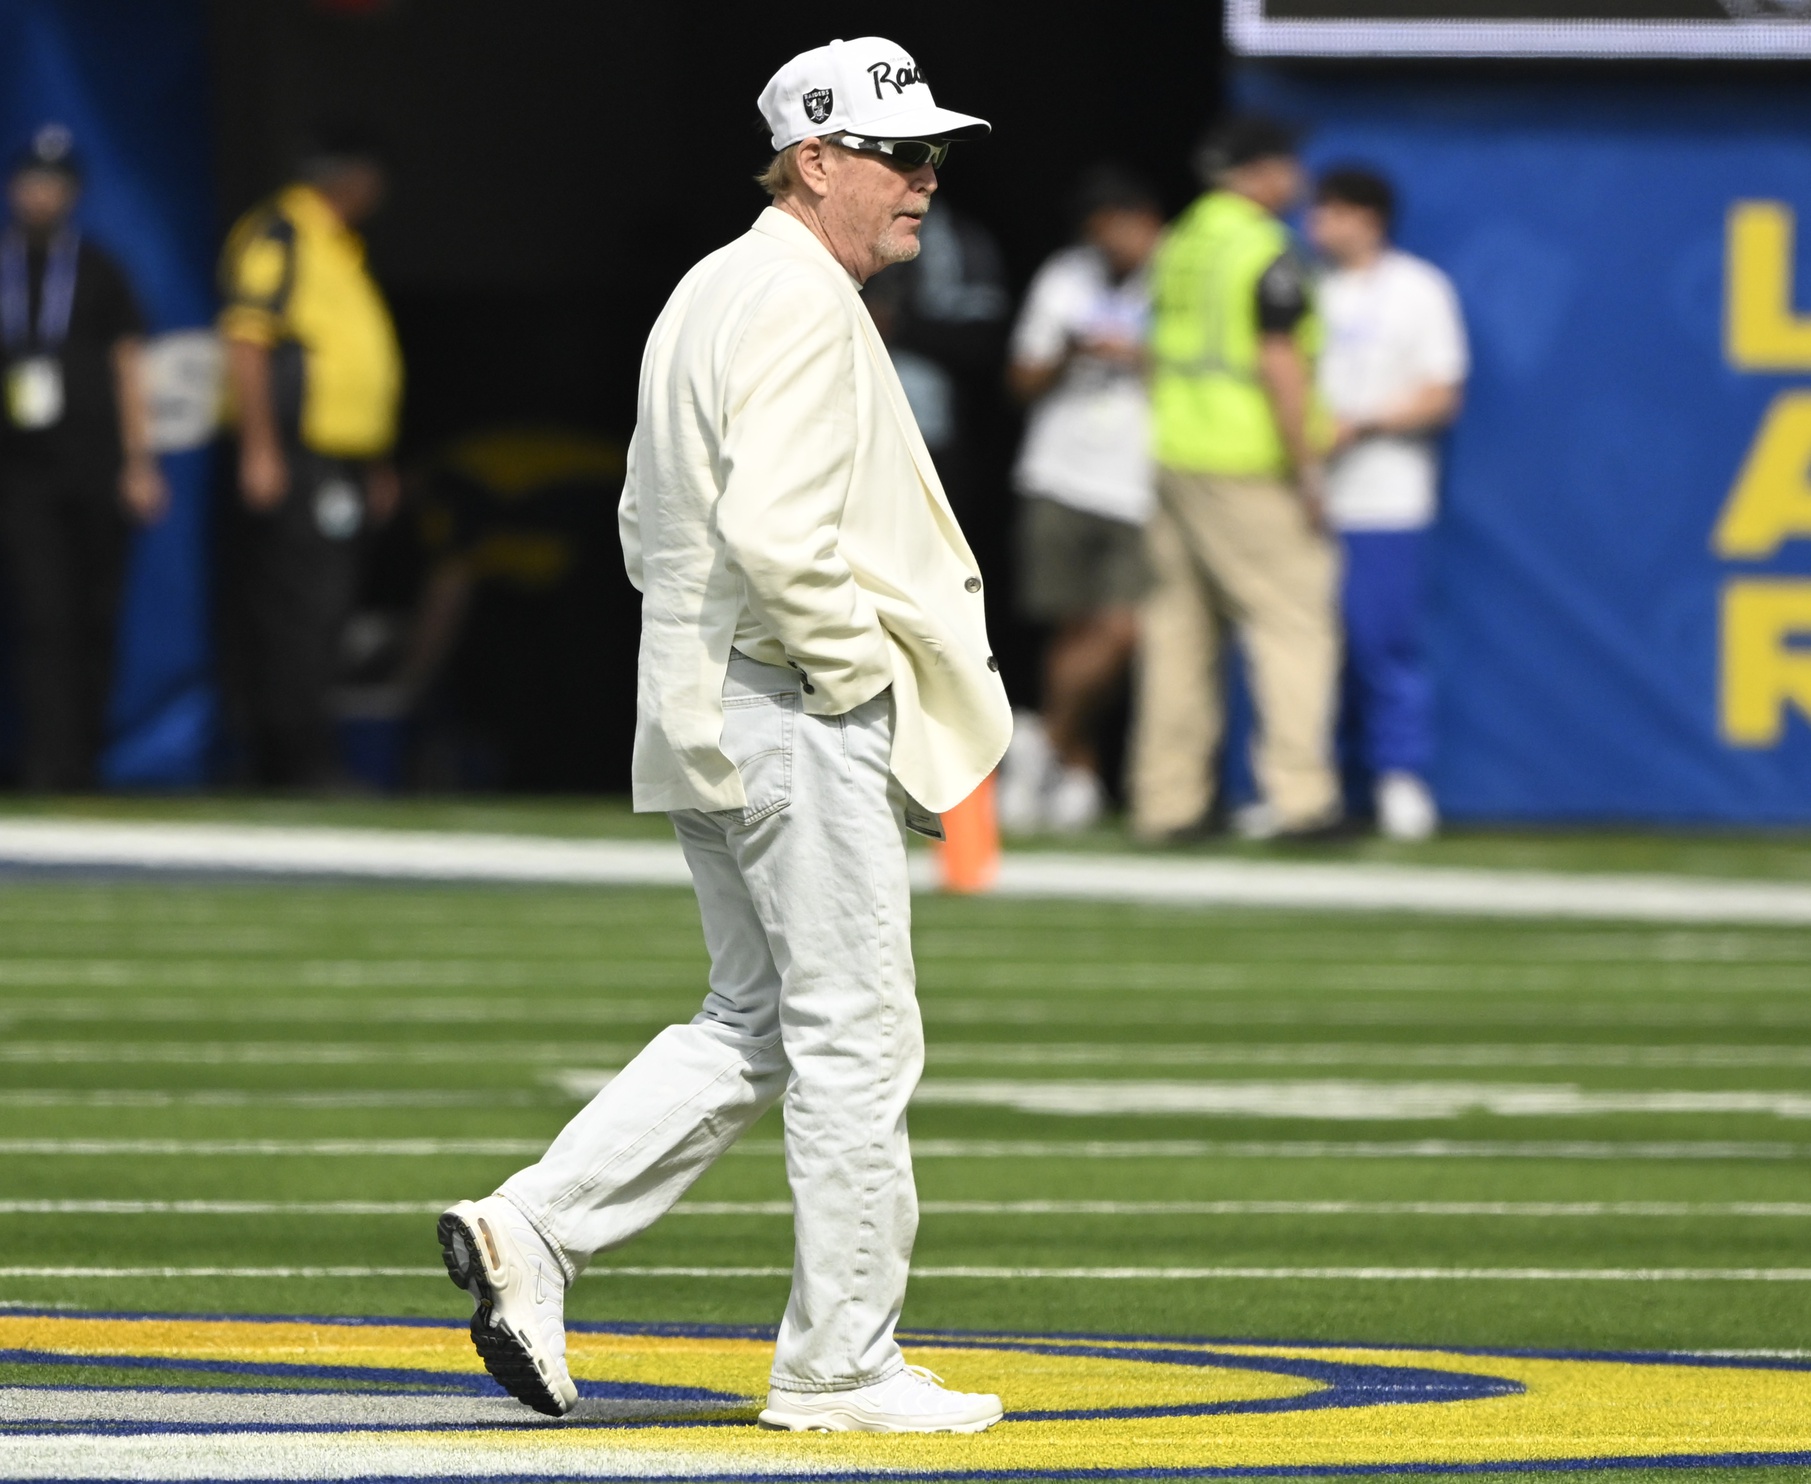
<point>1387,723</point>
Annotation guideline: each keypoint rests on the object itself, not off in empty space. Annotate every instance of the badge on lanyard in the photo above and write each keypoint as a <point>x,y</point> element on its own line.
<point>34,371</point>
<point>338,511</point>
<point>34,393</point>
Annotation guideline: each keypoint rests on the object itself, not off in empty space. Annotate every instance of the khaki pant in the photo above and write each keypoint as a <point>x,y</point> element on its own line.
<point>1239,554</point>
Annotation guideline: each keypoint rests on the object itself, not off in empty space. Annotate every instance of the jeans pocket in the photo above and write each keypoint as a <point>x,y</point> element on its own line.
<point>757,738</point>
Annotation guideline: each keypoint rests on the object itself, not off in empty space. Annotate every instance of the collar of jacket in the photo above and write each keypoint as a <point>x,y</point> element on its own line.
<point>788,228</point>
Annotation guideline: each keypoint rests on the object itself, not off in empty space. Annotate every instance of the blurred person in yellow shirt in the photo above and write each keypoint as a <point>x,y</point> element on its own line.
<point>315,378</point>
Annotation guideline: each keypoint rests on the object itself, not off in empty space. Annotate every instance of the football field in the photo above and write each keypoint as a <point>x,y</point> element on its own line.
<point>1203,1192</point>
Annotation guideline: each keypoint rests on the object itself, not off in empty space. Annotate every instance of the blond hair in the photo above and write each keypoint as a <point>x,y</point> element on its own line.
<point>781,177</point>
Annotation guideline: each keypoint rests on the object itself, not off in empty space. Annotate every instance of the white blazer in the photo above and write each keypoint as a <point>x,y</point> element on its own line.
<point>780,499</point>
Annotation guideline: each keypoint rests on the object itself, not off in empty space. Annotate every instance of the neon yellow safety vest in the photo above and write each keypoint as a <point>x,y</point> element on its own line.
<point>1209,411</point>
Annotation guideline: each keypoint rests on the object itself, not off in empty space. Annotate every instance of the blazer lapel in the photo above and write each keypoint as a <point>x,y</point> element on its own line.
<point>778,224</point>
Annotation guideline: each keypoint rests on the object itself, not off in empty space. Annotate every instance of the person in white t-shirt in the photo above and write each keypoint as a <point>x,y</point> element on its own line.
<point>1085,475</point>
<point>1393,376</point>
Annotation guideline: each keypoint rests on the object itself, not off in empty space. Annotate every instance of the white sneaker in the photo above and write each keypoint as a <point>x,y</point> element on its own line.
<point>1256,821</point>
<point>1075,801</point>
<point>911,1400</point>
<point>1405,808</point>
<point>1024,776</point>
<point>519,1290</point>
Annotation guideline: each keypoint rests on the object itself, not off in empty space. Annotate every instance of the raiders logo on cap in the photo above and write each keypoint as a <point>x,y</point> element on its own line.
<point>818,103</point>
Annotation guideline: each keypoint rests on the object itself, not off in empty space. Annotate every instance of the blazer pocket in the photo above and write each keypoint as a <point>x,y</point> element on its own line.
<point>757,738</point>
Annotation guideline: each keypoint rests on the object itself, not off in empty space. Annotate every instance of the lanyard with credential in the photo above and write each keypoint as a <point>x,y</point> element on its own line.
<point>54,305</point>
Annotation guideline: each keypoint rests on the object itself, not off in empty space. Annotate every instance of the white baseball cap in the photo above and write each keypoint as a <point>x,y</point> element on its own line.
<point>868,86</point>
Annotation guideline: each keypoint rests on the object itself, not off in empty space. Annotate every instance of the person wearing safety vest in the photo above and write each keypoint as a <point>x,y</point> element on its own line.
<point>1239,542</point>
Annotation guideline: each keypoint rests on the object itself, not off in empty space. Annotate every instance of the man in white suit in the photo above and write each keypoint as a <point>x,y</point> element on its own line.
<point>815,677</point>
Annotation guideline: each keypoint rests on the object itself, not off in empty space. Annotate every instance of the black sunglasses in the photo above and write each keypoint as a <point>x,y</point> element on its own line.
<point>908,154</point>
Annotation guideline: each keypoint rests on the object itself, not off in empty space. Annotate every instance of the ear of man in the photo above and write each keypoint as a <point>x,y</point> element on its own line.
<point>799,167</point>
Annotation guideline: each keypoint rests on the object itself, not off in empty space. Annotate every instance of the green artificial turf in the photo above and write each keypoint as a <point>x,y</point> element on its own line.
<point>479,997</point>
<point>147,1010</point>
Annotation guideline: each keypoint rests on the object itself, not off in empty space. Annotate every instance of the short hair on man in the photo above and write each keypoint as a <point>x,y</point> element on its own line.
<point>781,177</point>
<point>339,144</point>
<point>1244,139</point>
<point>1111,187</point>
<point>1358,185</point>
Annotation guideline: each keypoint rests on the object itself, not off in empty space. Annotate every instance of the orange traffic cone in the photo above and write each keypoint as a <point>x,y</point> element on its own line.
<point>969,855</point>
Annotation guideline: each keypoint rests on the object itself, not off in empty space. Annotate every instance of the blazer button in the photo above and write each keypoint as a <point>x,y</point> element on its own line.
<point>973,584</point>
<point>992,663</point>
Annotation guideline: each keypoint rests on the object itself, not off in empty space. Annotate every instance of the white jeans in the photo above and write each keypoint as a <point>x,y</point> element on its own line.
<point>807,916</point>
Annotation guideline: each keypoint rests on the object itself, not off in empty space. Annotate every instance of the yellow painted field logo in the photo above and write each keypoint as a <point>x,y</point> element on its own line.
<point>109,1397</point>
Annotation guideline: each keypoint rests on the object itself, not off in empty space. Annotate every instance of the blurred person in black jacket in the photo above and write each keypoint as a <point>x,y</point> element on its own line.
<point>76,465</point>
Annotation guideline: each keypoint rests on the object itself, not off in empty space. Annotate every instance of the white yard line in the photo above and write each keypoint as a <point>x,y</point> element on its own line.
<point>1115,1149</point>
<point>59,1097</point>
<point>431,1053</point>
<point>268,1009</point>
<point>236,973</point>
<point>336,1459</point>
<point>314,850</point>
<point>264,1148</point>
<point>222,1208</point>
<point>1761,1210</point>
<point>449,856</point>
<point>941,1053</point>
<point>1563,1149</point>
<point>1107,1274</point>
<point>332,1272</point>
<point>1345,1100</point>
<point>301,1053</point>
<point>1380,1274</point>
<point>1462,891</point>
<point>1364,1053</point>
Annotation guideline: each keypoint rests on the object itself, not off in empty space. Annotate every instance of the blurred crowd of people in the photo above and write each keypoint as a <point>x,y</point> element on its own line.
<point>1225,480</point>
<point>341,629</point>
<point>1231,447</point>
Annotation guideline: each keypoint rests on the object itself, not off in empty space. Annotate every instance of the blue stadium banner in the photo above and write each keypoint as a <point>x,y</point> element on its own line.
<point>131,81</point>
<point>1622,621</point>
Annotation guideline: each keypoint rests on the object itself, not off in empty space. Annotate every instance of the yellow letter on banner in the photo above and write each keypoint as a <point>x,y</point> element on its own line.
<point>1763,672</point>
<point>1771,501</point>
<point>1761,330</point>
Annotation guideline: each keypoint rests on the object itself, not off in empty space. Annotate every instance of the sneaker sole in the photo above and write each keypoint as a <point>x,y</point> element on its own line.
<point>849,1422</point>
<point>504,1354</point>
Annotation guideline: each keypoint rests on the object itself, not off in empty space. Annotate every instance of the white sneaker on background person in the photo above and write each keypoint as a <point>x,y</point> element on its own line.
<point>1075,801</point>
<point>519,1291</point>
<point>909,1400</point>
<point>1025,776</point>
<point>1256,821</point>
<point>1405,808</point>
